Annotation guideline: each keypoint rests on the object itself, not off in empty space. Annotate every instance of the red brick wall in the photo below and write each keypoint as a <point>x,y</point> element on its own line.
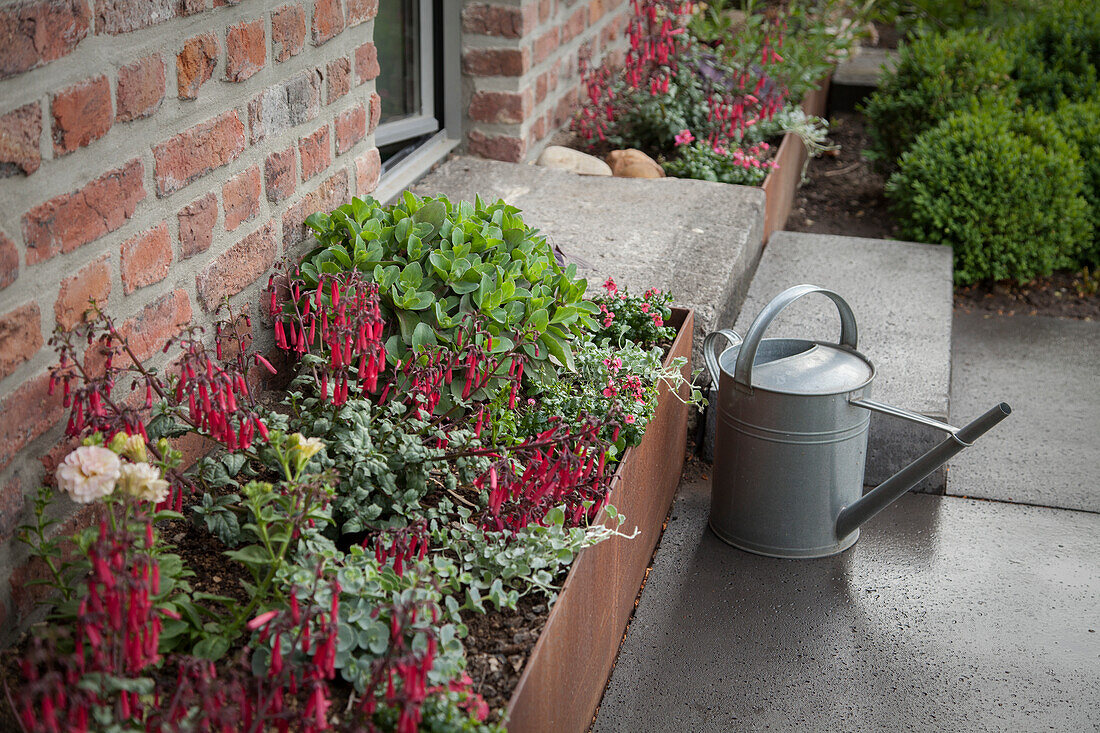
<point>520,64</point>
<point>159,156</point>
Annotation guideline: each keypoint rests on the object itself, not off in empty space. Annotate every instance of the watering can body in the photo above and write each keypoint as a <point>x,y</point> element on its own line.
<point>791,438</point>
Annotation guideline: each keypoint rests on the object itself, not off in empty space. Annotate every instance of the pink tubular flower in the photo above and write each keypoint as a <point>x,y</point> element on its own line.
<point>684,137</point>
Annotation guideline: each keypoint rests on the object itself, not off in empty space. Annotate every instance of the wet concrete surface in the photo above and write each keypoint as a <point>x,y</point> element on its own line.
<point>948,614</point>
<point>1048,451</point>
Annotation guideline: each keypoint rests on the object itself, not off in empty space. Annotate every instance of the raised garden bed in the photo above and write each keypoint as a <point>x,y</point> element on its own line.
<point>782,183</point>
<point>565,675</point>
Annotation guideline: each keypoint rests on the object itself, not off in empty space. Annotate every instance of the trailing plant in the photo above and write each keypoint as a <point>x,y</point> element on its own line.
<point>1003,192</point>
<point>935,75</point>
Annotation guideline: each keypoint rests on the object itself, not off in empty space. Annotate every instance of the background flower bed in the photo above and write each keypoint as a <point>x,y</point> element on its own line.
<point>407,477</point>
<point>708,92</point>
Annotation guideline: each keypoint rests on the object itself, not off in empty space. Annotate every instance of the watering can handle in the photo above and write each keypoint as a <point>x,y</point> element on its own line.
<point>747,355</point>
<point>710,352</point>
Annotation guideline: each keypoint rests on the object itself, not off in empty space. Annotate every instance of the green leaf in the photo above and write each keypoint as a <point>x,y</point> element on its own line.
<point>211,647</point>
<point>539,320</point>
<point>412,275</point>
<point>252,555</point>
<point>423,335</point>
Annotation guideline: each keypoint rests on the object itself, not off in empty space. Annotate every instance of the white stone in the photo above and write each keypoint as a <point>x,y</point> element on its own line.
<point>568,159</point>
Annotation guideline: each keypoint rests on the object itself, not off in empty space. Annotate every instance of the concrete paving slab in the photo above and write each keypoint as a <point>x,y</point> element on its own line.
<point>857,77</point>
<point>1048,369</point>
<point>901,295</point>
<point>699,240</point>
<point>948,614</point>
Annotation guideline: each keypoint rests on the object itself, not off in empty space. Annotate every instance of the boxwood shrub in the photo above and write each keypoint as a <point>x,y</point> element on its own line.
<point>1080,124</point>
<point>1058,53</point>
<point>935,76</point>
<point>1003,190</point>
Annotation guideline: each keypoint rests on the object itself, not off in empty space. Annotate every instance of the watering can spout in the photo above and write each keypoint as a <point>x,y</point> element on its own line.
<point>874,501</point>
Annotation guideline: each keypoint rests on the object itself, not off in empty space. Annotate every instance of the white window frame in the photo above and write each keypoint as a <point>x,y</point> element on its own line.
<point>404,172</point>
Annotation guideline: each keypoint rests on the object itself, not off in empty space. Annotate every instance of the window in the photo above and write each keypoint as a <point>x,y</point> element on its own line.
<point>420,93</point>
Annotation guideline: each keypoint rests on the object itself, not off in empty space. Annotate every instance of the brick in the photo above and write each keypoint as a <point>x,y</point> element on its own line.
<point>196,225</point>
<point>368,171</point>
<point>339,79</point>
<point>545,10</point>
<point>9,261</point>
<point>226,3</point>
<point>375,114</point>
<point>500,21</point>
<point>140,88</point>
<point>33,34</point>
<point>11,508</point>
<point>328,20</point>
<point>360,11</point>
<point>496,61</point>
<point>596,9</point>
<point>576,23</point>
<point>537,131</point>
<point>245,50</point>
<point>545,45</point>
<point>37,412</point>
<point>93,282</point>
<point>241,197</point>
<point>149,330</point>
<point>191,7</point>
<point>288,31</point>
<point>330,194</point>
<point>497,147</point>
<point>195,64</point>
<point>74,219</point>
<point>20,131</point>
<point>315,152</point>
<point>501,107</point>
<point>366,63</point>
<point>20,337</point>
<point>351,127</point>
<point>280,174</point>
<point>283,106</point>
<point>193,153</point>
<point>145,258</point>
<point>238,267</point>
<point>563,110</point>
<point>82,113</point>
<point>122,16</point>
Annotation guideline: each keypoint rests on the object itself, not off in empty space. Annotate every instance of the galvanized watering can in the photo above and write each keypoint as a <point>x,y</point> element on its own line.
<point>791,438</point>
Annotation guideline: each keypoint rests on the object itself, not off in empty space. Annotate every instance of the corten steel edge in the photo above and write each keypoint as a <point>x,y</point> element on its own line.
<point>782,182</point>
<point>565,676</point>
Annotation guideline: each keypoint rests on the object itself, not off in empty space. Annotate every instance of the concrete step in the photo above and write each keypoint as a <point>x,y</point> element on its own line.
<point>1047,452</point>
<point>857,77</point>
<point>698,240</point>
<point>901,294</point>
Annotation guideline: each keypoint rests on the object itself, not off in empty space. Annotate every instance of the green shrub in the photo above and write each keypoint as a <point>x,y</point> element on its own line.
<point>936,75</point>
<point>913,15</point>
<point>1003,190</point>
<point>1080,124</point>
<point>1058,54</point>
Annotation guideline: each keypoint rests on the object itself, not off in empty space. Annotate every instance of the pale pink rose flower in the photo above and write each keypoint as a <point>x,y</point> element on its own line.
<point>143,481</point>
<point>89,473</point>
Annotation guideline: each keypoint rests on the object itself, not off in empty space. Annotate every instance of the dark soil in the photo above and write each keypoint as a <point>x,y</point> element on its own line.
<point>1062,294</point>
<point>844,196</point>
<point>498,646</point>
